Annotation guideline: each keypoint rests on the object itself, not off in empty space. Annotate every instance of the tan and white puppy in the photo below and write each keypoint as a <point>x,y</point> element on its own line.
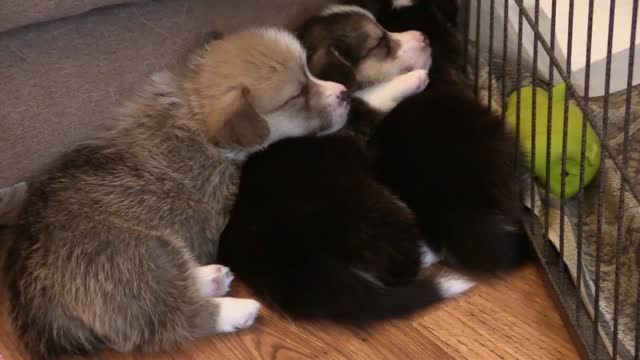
<point>117,239</point>
<point>346,44</point>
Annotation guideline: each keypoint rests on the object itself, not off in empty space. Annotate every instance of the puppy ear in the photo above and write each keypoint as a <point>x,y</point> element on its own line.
<point>327,64</point>
<point>233,123</point>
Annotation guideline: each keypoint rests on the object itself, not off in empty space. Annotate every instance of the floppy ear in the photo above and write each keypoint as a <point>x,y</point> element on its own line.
<point>234,124</point>
<point>327,64</point>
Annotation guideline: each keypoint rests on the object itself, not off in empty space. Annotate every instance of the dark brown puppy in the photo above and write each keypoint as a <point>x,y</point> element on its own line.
<point>115,236</point>
<point>448,157</point>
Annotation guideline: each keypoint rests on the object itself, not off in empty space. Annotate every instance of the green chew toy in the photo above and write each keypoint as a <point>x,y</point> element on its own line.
<point>574,138</point>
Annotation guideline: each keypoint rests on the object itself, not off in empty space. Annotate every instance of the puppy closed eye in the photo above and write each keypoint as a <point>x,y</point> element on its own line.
<point>304,90</point>
<point>302,94</point>
<point>382,46</point>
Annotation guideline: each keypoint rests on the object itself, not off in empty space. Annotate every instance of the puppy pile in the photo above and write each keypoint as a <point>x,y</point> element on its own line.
<point>326,188</point>
<point>340,226</point>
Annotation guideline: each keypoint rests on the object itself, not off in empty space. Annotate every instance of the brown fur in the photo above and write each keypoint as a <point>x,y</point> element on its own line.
<point>347,45</point>
<point>249,129</point>
<point>112,236</point>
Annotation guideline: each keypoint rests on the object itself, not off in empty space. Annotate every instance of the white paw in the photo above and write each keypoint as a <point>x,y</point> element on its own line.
<point>385,96</point>
<point>214,280</point>
<point>411,83</point>
<point>235,314</point>
<point>451,284</point>
<point>428,257</point>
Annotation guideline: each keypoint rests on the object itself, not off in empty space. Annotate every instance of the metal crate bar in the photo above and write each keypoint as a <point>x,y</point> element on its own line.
<point>571,87</point>
<point>584,328</point>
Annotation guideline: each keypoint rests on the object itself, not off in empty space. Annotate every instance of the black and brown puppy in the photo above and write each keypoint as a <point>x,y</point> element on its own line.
<point>312,231</point>
<point>346,43</point>
<point>447,156</point>
<point>117,237</point>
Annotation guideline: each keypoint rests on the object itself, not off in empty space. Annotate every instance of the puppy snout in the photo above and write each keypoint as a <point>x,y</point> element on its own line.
<point>334,90</point>
<point>415,39</point>
<point>344,96</point>
<point>418,38</point>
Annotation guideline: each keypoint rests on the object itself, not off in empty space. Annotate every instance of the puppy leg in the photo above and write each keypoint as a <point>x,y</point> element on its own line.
<point>385,96</point>
<point>223,315</point>
<point>214,280</point>
<point>229,314</point>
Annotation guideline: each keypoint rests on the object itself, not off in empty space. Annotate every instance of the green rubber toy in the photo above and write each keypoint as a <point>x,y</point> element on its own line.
<point>574,138</point>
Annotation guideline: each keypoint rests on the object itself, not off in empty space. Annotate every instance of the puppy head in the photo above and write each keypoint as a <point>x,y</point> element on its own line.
<point>253,87</point>
<point>438,20</point>
<point>347,45</point>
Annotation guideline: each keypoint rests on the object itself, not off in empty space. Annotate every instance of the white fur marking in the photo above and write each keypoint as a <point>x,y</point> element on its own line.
<point>235,314</point>
<point>345,9</point>
<point>385,96</point>
<point>369,277</point>
<point>238,155</point>
<point>451,285</point>
<point>397,4</point>
<point>510,228</point>
<point>214,280</point>
<point>428,257</point>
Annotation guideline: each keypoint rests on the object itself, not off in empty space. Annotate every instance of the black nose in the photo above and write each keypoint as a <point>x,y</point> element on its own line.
<point>344,96</point>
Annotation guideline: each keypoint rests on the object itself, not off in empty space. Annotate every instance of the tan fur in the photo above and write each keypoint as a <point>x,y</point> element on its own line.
<point>111,237</point>
<point>248,128</point>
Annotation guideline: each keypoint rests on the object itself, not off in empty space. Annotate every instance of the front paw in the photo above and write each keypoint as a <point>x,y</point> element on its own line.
<point>214,280</point>
<point>235,314</point>
<point>411,83</point>
<point>384,97</point>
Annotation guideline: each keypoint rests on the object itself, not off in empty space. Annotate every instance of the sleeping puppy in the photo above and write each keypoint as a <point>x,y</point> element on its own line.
<point>326,239</point>
<point>346,44</point>
<point>436,19</point>
<point>117,237</point>
<point>447,157</point>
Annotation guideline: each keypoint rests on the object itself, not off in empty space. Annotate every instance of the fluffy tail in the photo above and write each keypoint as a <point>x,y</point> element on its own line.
<point>328,289</point>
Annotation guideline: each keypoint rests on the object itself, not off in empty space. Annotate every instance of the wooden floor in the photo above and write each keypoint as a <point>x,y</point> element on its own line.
<point>508,318</point>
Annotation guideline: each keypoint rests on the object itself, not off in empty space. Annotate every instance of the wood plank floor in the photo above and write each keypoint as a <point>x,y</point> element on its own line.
<point>508,318</point>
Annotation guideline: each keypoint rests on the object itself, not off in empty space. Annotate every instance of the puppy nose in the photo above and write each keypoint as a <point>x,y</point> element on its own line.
<point>417,37</point>
<point>332,90</point>
<point>422,40</point>
<point>345,96</point>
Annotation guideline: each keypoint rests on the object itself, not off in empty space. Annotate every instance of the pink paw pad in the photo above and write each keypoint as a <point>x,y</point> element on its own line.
<point>214,280</point>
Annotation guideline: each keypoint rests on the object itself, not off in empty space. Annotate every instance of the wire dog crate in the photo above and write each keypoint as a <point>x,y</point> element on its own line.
<point>564,70</point>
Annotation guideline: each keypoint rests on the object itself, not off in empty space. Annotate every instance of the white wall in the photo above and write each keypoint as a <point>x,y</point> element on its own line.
<point>622,27</point>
